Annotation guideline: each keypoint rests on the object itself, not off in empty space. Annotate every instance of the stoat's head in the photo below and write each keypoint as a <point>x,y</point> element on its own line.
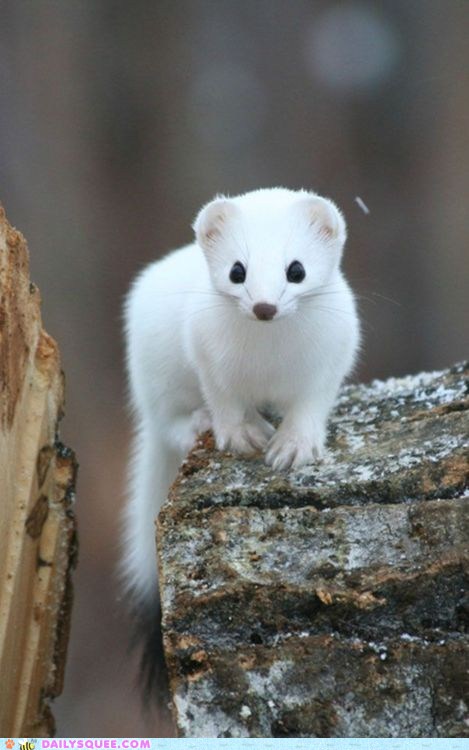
<point>270,249</point>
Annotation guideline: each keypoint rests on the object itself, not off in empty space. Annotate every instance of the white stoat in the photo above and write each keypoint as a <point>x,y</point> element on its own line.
<point>256,312</point>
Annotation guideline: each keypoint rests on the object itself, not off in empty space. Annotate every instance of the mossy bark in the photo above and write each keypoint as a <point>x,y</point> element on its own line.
<point>329,601</point>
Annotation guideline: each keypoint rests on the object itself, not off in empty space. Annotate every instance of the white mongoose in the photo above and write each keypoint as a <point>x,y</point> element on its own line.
<point>255,313</point>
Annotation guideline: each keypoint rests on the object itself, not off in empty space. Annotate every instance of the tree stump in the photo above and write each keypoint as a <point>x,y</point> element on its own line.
<point>330,601</point>
<point>37,524</point>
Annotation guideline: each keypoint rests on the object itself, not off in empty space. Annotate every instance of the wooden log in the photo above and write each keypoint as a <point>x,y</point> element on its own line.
<point>330,601</point>
<point>37,523</point>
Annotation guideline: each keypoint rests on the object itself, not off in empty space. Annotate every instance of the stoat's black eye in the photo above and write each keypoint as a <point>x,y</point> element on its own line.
<point>295,272</point>
<point>238,273</point>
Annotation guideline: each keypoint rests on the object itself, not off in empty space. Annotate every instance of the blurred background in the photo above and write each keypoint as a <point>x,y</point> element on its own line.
<point>118,120</point>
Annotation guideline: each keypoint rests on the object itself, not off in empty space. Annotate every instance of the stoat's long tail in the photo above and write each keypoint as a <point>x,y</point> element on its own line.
<point>152,470</point>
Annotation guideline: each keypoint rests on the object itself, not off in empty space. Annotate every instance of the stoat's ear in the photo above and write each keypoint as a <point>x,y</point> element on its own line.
<point>325,218</point>
<point>211,221</point>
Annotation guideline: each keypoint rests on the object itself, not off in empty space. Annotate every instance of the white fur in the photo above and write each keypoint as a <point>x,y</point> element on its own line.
<point>198,357</point>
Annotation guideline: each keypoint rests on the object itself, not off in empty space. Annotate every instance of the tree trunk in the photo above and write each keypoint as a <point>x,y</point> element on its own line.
<point>37,524</point>
<point>329,601</point>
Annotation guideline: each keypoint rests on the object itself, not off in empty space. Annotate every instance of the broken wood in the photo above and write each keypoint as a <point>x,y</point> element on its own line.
<point>330,601</point>
<point>37,523</point>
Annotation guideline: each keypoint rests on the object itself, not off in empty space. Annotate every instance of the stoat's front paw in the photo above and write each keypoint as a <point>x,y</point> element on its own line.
<point>290,450</point>
<point>267,429</point>
<point>244,439</point>
<point>201,420</point>
<point>183,432</point>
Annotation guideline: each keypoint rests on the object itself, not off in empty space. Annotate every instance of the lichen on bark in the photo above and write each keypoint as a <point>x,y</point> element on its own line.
<point>329,601</point>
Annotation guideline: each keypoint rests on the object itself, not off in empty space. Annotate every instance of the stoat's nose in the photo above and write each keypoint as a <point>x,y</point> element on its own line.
<point>264,311</point>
